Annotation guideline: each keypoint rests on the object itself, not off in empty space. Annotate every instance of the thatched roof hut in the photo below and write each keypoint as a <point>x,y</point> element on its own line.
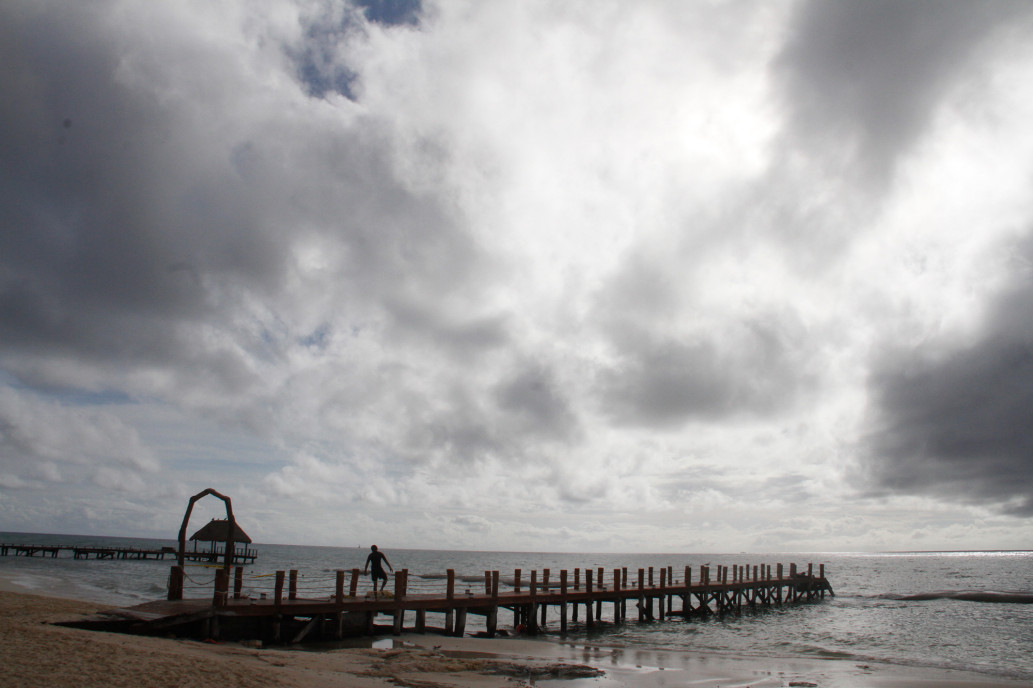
<point>217,530</point>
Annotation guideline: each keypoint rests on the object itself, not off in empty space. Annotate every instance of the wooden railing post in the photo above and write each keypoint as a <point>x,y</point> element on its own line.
<point>400,587</point>
<point>450,594</point>
<point>222,586</point>
<point>278,593</point>
<point>238,582</point>
<point>292,588</point>
<point>353,587</point>
<point>563,600</point>
<point>589,588</point>
<point>176,583</point>
<point>516,580</point>
<point>532,611</point>
<point>339,588</point>
<point>663,591</point>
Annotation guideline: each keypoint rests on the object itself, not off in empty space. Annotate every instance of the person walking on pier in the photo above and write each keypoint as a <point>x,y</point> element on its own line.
<point>376,559</point>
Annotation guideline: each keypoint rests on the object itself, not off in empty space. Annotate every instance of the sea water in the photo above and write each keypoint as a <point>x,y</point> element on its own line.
<point>870,619</point>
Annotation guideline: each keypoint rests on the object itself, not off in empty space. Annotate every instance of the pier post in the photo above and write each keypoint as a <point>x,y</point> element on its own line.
<point>599,602</point>
<point>624,600</point>
<point>589,621</point>
<point>563,600</point>
<point>353,587</point>
<point>617,597</point>
<point>492,621</point>
<point>278,591</point>
<point>663,591</point>
<point>400,585</point>
<point>292,586</point>
<point>686,599</point>
<point>545,589</point>
<point>641,595</point>
<point>532,609</point>
<point>238,582</point>
<point>176,583</point>
<point>221,588</point>
<point>487,582</point>
<point>450,594</point>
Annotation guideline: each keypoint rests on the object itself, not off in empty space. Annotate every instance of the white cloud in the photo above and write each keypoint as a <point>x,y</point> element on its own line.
<point>505,273</point>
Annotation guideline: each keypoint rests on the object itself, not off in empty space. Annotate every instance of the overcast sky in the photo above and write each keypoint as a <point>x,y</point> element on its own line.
<point>675,276</point>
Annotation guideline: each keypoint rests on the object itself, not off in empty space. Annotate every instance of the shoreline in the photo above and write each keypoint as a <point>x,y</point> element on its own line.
<point>38,653</point>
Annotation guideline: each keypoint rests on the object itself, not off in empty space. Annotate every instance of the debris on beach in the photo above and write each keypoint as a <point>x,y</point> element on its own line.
<point>397,665</point>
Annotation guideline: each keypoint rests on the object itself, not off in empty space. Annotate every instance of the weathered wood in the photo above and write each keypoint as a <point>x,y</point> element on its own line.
<point>222,586</point>
<point>278,594</point>
<point>563,600</point>
<point>729,592</point>
<point>176,583</point>
<point>307,629</point>
<point>353,587</point>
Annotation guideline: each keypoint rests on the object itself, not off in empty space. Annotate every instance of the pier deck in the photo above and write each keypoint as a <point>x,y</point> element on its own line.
<point>287,616</point>
<point>241,556</point>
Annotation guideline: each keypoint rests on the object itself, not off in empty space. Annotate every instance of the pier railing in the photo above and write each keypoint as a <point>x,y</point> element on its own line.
<point>657,593</point>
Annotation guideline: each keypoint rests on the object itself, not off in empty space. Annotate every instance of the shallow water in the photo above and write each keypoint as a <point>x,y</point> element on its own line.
<point>869,619</point>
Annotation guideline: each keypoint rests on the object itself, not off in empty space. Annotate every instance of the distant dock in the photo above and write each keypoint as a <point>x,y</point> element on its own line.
<point>241,555</point>
<point>286,607</point>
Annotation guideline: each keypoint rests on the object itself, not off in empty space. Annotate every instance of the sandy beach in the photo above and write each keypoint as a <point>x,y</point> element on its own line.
<point>35,652</point>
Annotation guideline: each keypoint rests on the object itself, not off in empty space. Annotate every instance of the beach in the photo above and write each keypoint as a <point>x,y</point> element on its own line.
<point>36,652</point>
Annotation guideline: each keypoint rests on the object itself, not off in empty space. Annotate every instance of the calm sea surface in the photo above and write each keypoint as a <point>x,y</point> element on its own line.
<point>867,620</point>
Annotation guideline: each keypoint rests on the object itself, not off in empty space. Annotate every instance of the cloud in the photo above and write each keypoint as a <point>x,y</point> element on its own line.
<point>953,417</point>
<point>481,273</point>
<point>44,442</point>
<point>864,80</point>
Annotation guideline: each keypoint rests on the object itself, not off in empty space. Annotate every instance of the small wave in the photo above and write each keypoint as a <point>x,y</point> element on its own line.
<point>1007,596</point>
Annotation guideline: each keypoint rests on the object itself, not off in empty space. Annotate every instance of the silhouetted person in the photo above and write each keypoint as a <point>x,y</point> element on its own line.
<point>376,559</point>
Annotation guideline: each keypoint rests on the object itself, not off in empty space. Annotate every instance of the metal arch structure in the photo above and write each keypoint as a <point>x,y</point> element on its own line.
<point>228,561</point>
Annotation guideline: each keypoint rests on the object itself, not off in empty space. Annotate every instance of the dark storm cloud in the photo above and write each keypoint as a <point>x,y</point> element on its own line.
<point>957,422</point>
<point>146,204</point>
<point>864,78</point>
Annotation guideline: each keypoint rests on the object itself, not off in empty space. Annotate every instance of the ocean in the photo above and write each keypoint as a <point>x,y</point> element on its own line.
<point>970,611</point>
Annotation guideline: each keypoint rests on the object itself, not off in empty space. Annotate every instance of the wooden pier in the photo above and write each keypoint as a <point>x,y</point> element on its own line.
<point>286,610</point>
<point>241,555</point>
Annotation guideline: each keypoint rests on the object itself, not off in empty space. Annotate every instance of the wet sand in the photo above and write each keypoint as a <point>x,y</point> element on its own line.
<point>34,652</point>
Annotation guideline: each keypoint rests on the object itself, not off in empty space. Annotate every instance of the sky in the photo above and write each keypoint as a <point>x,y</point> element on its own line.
<point>606,276</point>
